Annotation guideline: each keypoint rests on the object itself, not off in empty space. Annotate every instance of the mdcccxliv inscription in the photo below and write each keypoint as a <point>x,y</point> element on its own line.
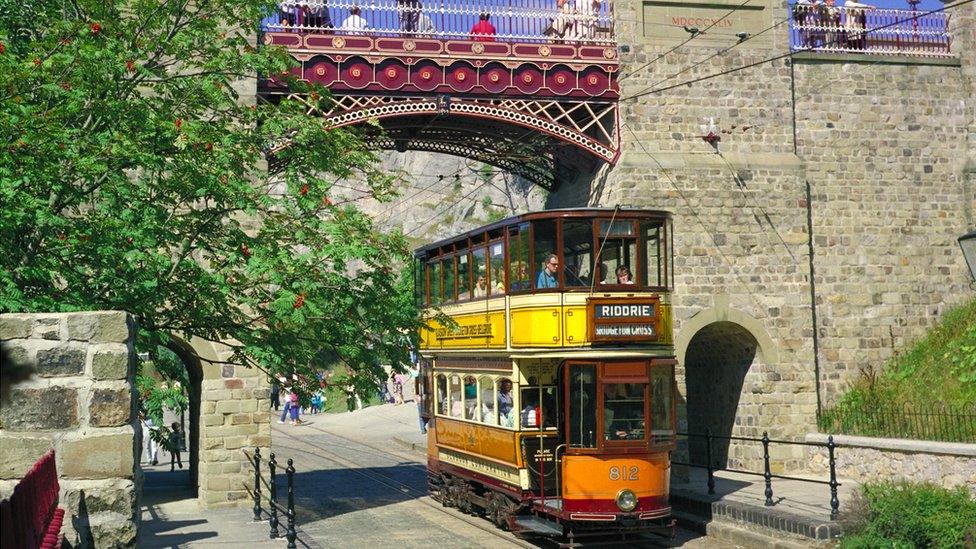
<point>623,319</point>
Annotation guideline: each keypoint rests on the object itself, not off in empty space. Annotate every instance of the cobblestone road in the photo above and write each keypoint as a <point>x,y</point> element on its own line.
<point>356,486</point>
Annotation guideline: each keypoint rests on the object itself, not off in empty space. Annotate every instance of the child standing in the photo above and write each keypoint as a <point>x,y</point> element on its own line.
<point>295,408</point>
<point>175,442</point>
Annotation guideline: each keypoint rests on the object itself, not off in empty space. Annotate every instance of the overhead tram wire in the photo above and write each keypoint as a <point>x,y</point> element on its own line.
<point>689,39</point>
<point>790,53</point>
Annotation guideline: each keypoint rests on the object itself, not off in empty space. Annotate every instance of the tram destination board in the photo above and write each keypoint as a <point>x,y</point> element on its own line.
<point>612,320</point>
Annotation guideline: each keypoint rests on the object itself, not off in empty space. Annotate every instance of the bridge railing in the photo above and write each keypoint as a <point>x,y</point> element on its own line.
<point>937,421</point>
<point>822,28</point>
<point>533,21</point>
<point>767,473</point>
<point>274,509</point>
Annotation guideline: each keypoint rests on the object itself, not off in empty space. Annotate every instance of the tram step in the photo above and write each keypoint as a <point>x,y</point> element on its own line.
<point>539,526</point>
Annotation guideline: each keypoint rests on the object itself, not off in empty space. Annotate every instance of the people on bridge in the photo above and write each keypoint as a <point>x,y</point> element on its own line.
<point>587,12</point>
<point>316,16</point>
<point>354,22</point>
<point>563,27</point>
<point>855,23</point>
<point>547,275</point>
<point>483,30</point>
<point>409,11</point>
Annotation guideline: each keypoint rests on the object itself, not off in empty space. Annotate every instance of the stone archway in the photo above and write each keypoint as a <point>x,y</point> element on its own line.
<point>194,370</point>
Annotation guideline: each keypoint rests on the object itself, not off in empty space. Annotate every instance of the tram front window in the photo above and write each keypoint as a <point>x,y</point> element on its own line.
<point>618,254</point>
<point>577,253</point>
<point>662,391</point>
<point>623,411</point>
<point>582,406</point>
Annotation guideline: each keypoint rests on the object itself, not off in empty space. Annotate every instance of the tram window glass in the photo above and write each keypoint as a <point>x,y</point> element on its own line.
<point>531,415</point>
<point>435,270</point>
<point>506,404</point>
<point>582,406</point>
<point>545,253</point>
<point>449,279</point>
<point>618,256</point>
<point>455,395</point>
<point>471,398</point>
<point>578,253</point>
<point>442,402</point>
<point>623,411</point>
<point>662,392</point>
<point>550,407</point>
<point>486,390</point>
<point>479,272</point>
<point>463,277</point>
<point>496,261</point>
<point>518,258</point>
<point>654,272</point>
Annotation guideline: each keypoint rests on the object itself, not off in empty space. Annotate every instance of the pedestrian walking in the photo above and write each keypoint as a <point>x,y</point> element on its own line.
<point>275,395</point>
<point>287,406</point>
<point>385,395</point>
<point>418,397</point>
<point>175,445</point>
<point>152,447</point>
<point>295,408</point>
<point>397,388</point>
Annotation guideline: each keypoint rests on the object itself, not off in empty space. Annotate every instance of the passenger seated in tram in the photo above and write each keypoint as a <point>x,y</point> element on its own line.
<point>520,276</point>
<point>505,403</point>
<point>481,286</point>
<point>547,274</point>
<point>623,415</point>
<point>624,276</point>
<point>530,409</point>
<point>497,281</point>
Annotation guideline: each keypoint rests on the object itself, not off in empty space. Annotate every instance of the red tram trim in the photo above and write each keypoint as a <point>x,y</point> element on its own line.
<point>435,465</point>
<point>651,504</point>
<point>592,516</point>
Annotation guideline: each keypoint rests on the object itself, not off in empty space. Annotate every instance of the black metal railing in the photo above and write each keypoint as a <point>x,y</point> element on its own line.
<point>939,422</point>
<point>291,532</point>
<point>767,473</point>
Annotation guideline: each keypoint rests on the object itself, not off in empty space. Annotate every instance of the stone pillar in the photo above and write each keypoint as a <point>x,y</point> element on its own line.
<point>82,402</point>
<point>234,417</point>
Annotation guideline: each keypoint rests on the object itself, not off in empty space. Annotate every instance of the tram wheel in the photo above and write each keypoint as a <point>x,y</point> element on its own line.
<point>501,510</point>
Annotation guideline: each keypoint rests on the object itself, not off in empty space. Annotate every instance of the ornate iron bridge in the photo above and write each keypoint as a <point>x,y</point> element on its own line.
<point>536,95</point>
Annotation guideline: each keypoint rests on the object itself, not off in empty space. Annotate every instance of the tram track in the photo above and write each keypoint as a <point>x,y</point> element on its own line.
<point>396,485</point>
<point>423,497</point>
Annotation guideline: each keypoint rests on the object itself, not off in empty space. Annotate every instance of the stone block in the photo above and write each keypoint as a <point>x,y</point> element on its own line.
<point>19,454</point>
<point>81,326</point>
<point>104,530</point>
<point>111,327</point>
<point>14,327</point>
<point>17,353</point>
<point>110,407</point>
<point>233,443</point>
<point>48,409</point>
<point>116,496</point>
<point>111,364</point>
<point>240,419</point>
<point>234,383</point>
<point>228,407</point>
<point>60,361</point>
<point>107,456</point>
<point>46,328</point>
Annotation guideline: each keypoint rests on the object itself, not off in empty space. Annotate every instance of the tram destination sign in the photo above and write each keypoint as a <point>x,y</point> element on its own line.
<point>612,320</point>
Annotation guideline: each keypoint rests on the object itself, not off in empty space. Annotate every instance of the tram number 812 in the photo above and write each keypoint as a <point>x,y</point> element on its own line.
<point>623,473</point>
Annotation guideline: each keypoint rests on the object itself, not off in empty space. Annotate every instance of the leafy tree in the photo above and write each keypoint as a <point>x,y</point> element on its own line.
<point>133,177</point>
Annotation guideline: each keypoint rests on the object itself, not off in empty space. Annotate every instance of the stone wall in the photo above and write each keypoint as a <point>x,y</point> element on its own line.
<point>867,459</point>
<point>82,402</point>
<point>825,223</point>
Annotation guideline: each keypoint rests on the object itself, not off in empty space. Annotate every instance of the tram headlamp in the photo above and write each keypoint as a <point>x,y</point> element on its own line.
<point>626,500</point>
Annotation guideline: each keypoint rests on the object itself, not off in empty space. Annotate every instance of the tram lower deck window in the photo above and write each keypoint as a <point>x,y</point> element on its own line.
<point>582,406</point>
<point>623,411</point>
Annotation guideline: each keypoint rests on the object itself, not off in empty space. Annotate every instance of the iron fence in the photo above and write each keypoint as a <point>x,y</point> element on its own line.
<point>290,530</point>
<point>833,29</point>
<point>574,21</point>
<point>767,473</point>
<point>942,423</point>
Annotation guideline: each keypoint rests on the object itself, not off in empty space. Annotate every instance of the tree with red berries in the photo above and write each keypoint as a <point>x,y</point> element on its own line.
<point>133,177</point>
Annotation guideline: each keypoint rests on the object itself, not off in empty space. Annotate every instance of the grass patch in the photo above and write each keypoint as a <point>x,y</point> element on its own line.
<point>926,393</point>
<point>909,515</point>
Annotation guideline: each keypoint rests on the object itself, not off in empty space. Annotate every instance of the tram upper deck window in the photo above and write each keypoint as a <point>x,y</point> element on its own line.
<point>618,255</point>
<point>582,406</point>
<point>450,280</point>
<point>546,261</point>
<point>496,264</point>
<point>652,234</point>
<point>662,395</point>
<point>479,272</point>
<point>463,277</point>
<point>578,253</point>
<point>623,411</point>
<point>435,273</point>
<point>518,258</point>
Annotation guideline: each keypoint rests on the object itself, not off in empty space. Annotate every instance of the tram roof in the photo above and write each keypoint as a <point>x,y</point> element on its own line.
<point>547,214</point>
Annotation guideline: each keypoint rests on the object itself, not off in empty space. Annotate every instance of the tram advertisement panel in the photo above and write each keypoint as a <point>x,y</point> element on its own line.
<point>611,320</point>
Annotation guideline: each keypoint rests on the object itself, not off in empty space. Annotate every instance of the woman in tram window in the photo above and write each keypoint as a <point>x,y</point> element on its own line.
<point>624,276</point>
<point>505,403</point>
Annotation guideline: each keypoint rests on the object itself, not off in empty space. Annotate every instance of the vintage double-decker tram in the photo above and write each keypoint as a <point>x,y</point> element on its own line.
<point>551,391</point>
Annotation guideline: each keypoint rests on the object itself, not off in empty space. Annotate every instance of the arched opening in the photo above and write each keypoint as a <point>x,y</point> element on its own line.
<point>195,370</point>
<point>719,360</point>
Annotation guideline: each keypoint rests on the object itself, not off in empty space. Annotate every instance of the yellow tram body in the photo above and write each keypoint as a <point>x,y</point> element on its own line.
<point>548,378</point>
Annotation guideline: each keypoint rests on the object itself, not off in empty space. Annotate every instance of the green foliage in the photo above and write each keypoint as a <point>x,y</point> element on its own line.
<point>910,515</point>
<point>133,177</point>
<point>156,396</point>
<point>937,375</point>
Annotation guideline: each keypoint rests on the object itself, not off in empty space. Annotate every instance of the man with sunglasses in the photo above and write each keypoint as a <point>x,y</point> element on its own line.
<point>547,276</point>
